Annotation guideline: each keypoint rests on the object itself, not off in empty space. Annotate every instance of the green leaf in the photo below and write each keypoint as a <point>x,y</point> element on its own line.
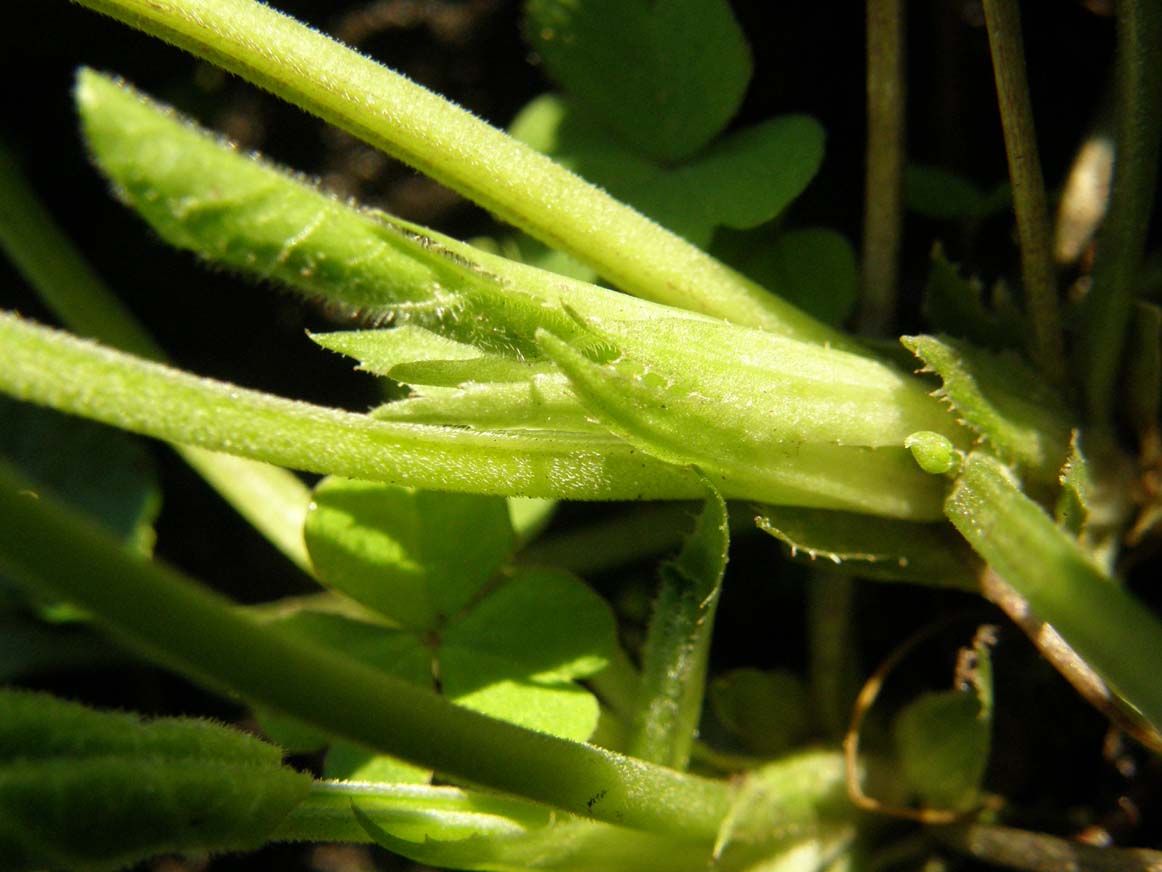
<point>741,181</point>
<point>955,305</point>
<point>1002,399</point>
<point>677,647</point>
<point>938,193</point>
<point>943,738</point>
<point>567,844</point>
<point>1072,509</point>
<point>120,493</point>
<point>814,268</point>
<point>767,710</point>
<point>545,402</point>
<point>1113,632</point>
<point>663,76</point>
<point>80,788</point>
<point>200,194</point>
<point>512,653</point>
<point>417,557</point>
<point>414,355</point>
<point>876,548</point>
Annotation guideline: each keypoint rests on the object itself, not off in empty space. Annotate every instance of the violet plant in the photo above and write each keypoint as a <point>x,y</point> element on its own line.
<point>476,704</point>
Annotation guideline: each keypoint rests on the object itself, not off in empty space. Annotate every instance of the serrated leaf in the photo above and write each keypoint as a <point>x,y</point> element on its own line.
<point>1110,630</point>
<point>512,653</point>
<point>1000,397</point>
<point>273,225</point>
<point>943,739</point>
<point>81,788</point>
<point>767,710</point>
<point>391,548</point>
<point>814,268</point>
<point>1072,510</point>
<point>414,355</point>
<point>741,181</point>
<point>878,548</point>
<point>663,76</point>
<point>955,305</point>
<point>677,646</point>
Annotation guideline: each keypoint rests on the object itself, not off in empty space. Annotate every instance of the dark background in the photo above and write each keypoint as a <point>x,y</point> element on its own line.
<point>808,58</point>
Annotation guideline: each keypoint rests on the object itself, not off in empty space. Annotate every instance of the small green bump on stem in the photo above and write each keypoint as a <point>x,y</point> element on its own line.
<point>934,453</point>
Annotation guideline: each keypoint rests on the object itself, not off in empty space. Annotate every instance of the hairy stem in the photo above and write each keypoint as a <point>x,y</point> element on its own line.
<point>1005,43</point>
<point>441,140</point>
<point>77,377</point>
<point>883,197</point>
<point>199,633</point>
<point>274,501</point>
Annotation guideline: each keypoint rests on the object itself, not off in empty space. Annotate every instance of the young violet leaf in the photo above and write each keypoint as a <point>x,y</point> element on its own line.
<point>514,654</point>
<point>740,181</point>
<point>690,67</point>
<point>425,560</point>
<point>955,305</point>
<point>814,268</point>
<point>767,710</point>
<point>417,557</point>
<point>943,739</point>
<point>81,788</point>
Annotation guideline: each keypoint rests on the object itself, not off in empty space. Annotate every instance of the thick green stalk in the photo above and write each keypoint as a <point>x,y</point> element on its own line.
<point>447,143</point>
<point>1040,284</point>
<point>883,189</point>
<point>77,377</point>
<point>273,500</point>
<point>199,633</point>
<point>1115,634</point>
<point>1123,238</point>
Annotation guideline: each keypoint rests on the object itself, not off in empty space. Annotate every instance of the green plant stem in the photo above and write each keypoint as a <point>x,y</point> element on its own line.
<point>1123,238</point>
<point>197,632</point>
<point>1116,635</point>
<point>1041,852</point>
<point>677,647</point>
<point>77,377</point>
<point>831,641</point>
<point>883,188</point>
<point>443,141</point>
<point>1003,20</point>
<point>273,500</point>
